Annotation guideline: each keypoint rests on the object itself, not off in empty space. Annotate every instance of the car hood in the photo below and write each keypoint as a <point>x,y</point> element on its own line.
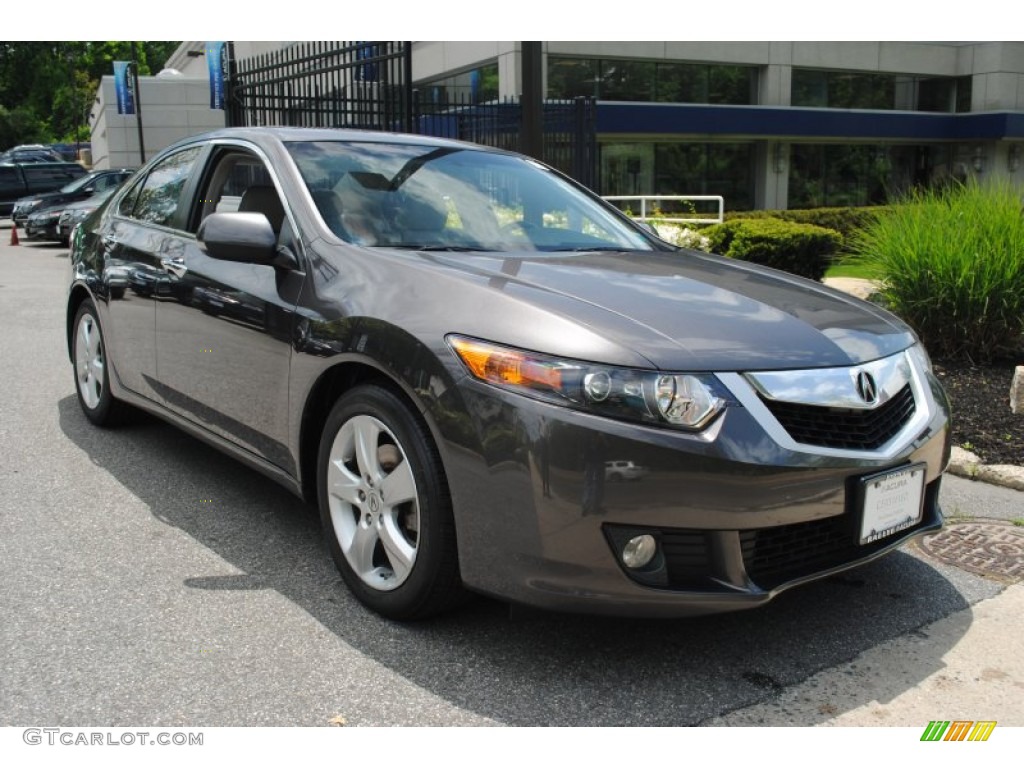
<point>46,198</point>
<point>688,311</point>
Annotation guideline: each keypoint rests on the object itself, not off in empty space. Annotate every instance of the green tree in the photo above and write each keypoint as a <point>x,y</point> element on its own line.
<point>46,88</point>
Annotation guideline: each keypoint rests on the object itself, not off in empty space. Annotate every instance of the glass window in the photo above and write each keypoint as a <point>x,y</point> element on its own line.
<point>569,78</point>
<point>240,181</point>
<point>680,168</point>
<point>869,90</point>
<point>627,80</point>
<point>713,168</point>
<point>862,174</point>
<point>663,81</point>
<point>963,93</point>
<point>43,174</point>
<point>682,83</point>
<point>454,199</point>
<point>936,94</point>
<point>732,85</point>
<point>473,86</point>
<point>158,197</point>
<point>108,181</point>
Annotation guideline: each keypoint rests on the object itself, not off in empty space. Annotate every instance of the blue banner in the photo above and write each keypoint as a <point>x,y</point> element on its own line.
<point>367,70</point>
<point>216,62</point>
<point>123,86</point>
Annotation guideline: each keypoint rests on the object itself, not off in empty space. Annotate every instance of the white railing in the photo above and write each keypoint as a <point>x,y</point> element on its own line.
<point>649,203</point>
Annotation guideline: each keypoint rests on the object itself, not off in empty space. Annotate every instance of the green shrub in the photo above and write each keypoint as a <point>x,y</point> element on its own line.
<point>846,221</point>
<point>952,266</point>
<point>801,249</point>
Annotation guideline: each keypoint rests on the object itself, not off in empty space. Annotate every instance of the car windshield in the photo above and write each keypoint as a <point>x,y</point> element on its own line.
<point>453,198</point>
<point>77,184</point>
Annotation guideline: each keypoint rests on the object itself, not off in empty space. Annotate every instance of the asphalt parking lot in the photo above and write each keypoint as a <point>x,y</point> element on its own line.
<point>149,579</point>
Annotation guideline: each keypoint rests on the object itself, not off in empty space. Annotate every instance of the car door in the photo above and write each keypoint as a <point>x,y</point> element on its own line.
<point>136,235</point>
<point>224,343</point>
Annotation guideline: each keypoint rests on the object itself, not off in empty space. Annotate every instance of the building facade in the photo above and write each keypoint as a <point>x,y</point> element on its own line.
<point>173,107</point>
<point>764,124</point>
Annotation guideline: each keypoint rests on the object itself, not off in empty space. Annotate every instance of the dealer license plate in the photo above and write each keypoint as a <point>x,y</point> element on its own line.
<point>891,502</point>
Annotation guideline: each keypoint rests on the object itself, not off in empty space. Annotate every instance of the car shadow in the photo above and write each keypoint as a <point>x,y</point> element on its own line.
<point>523,667</point>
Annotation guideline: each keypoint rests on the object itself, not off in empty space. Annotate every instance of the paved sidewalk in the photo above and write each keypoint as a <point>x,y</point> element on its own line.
<point>982,677</point>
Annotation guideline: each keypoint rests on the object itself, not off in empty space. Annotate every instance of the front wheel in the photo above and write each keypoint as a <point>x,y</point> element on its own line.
<point>385,506</point>
<point>92,374</point>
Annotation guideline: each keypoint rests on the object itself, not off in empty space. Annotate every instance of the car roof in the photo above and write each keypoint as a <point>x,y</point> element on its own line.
<point>274,134</point>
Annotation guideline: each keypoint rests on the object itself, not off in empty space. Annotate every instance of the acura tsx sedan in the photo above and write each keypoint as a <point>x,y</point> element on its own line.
<point>445,347</point>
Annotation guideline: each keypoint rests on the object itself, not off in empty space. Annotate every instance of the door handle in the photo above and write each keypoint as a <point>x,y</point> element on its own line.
<point>176,266</point>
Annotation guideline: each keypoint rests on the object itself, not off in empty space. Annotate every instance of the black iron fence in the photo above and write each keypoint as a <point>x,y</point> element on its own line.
<point>368,85</point>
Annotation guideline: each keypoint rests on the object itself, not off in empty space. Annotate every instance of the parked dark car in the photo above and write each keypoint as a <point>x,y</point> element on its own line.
<point>446,346</point>
<point>74,213</point>
<point>31,153</point>
<point>79,189</point>
<point>20,179</point>
<point>42,224</point>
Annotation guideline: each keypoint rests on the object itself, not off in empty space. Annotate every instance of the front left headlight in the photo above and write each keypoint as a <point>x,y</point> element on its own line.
<point>688,401</point>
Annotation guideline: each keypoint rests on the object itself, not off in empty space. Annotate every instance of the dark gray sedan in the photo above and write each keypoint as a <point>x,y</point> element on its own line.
<point>446,347</point>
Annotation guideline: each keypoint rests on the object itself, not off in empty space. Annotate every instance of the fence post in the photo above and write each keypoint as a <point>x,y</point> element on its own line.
<point>532,100</point>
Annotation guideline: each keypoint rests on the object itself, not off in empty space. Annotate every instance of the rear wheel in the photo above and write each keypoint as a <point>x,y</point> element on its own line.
<point>89,356</point>
<point>385,506</point>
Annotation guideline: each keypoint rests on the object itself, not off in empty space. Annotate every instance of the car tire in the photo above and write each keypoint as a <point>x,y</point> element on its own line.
<point>385,506</point>
<point>89,360</point>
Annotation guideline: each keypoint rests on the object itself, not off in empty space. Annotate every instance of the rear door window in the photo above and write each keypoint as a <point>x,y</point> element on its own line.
<point>44,176</point>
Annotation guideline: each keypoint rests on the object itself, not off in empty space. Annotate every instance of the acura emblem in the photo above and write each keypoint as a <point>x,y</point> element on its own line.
<point>866,387</point>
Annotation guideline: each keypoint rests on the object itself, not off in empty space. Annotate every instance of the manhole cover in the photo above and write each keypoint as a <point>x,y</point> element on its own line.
<point>991,549</point>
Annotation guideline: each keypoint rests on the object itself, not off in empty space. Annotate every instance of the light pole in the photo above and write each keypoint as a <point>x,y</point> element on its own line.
<point>138,103</point>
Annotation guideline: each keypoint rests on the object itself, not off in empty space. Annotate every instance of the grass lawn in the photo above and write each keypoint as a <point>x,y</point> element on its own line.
<point>848,270</point>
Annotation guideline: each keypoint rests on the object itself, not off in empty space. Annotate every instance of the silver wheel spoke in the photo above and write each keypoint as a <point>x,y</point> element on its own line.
<point>360,549</point>
<point>94,342</point>
<point>83,337</point>
<point>342,483</point>
<point>366,433</point>
<point>401,554</point>
<point>399,487</point>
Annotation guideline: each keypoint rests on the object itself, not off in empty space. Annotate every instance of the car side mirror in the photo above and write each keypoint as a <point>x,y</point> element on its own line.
<point>245,237</point>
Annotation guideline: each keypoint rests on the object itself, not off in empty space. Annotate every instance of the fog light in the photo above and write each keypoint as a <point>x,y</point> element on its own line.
<point>639,551</point>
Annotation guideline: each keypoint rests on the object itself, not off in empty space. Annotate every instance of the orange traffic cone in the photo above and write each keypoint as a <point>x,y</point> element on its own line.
<point>14,233</point>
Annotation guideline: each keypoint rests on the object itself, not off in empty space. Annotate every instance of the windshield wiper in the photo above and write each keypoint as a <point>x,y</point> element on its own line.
<point>586,248</point>
<point>438,247</point>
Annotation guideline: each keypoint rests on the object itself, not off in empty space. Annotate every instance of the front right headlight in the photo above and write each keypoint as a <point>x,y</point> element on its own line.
<point>688,401</point>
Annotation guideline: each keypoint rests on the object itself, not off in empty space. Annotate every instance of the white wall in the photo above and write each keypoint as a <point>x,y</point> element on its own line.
<point>173,108</point>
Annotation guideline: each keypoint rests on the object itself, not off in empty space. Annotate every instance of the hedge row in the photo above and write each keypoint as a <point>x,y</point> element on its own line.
<point>846,221</point>
<point>800,249</point>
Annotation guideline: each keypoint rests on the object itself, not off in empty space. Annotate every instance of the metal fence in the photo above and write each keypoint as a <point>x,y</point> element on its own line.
<point>679,209</point>
<point>324,84</point>
<point>368,85</point>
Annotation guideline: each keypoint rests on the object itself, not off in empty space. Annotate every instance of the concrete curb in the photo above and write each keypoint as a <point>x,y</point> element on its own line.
<point>966,464</point>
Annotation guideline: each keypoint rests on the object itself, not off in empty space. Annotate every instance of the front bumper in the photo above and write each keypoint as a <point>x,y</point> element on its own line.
<point>738,516</point>
<point>47,230</point>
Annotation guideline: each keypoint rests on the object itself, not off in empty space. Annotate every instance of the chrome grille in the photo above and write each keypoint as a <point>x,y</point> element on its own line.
<point>848,428</point>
